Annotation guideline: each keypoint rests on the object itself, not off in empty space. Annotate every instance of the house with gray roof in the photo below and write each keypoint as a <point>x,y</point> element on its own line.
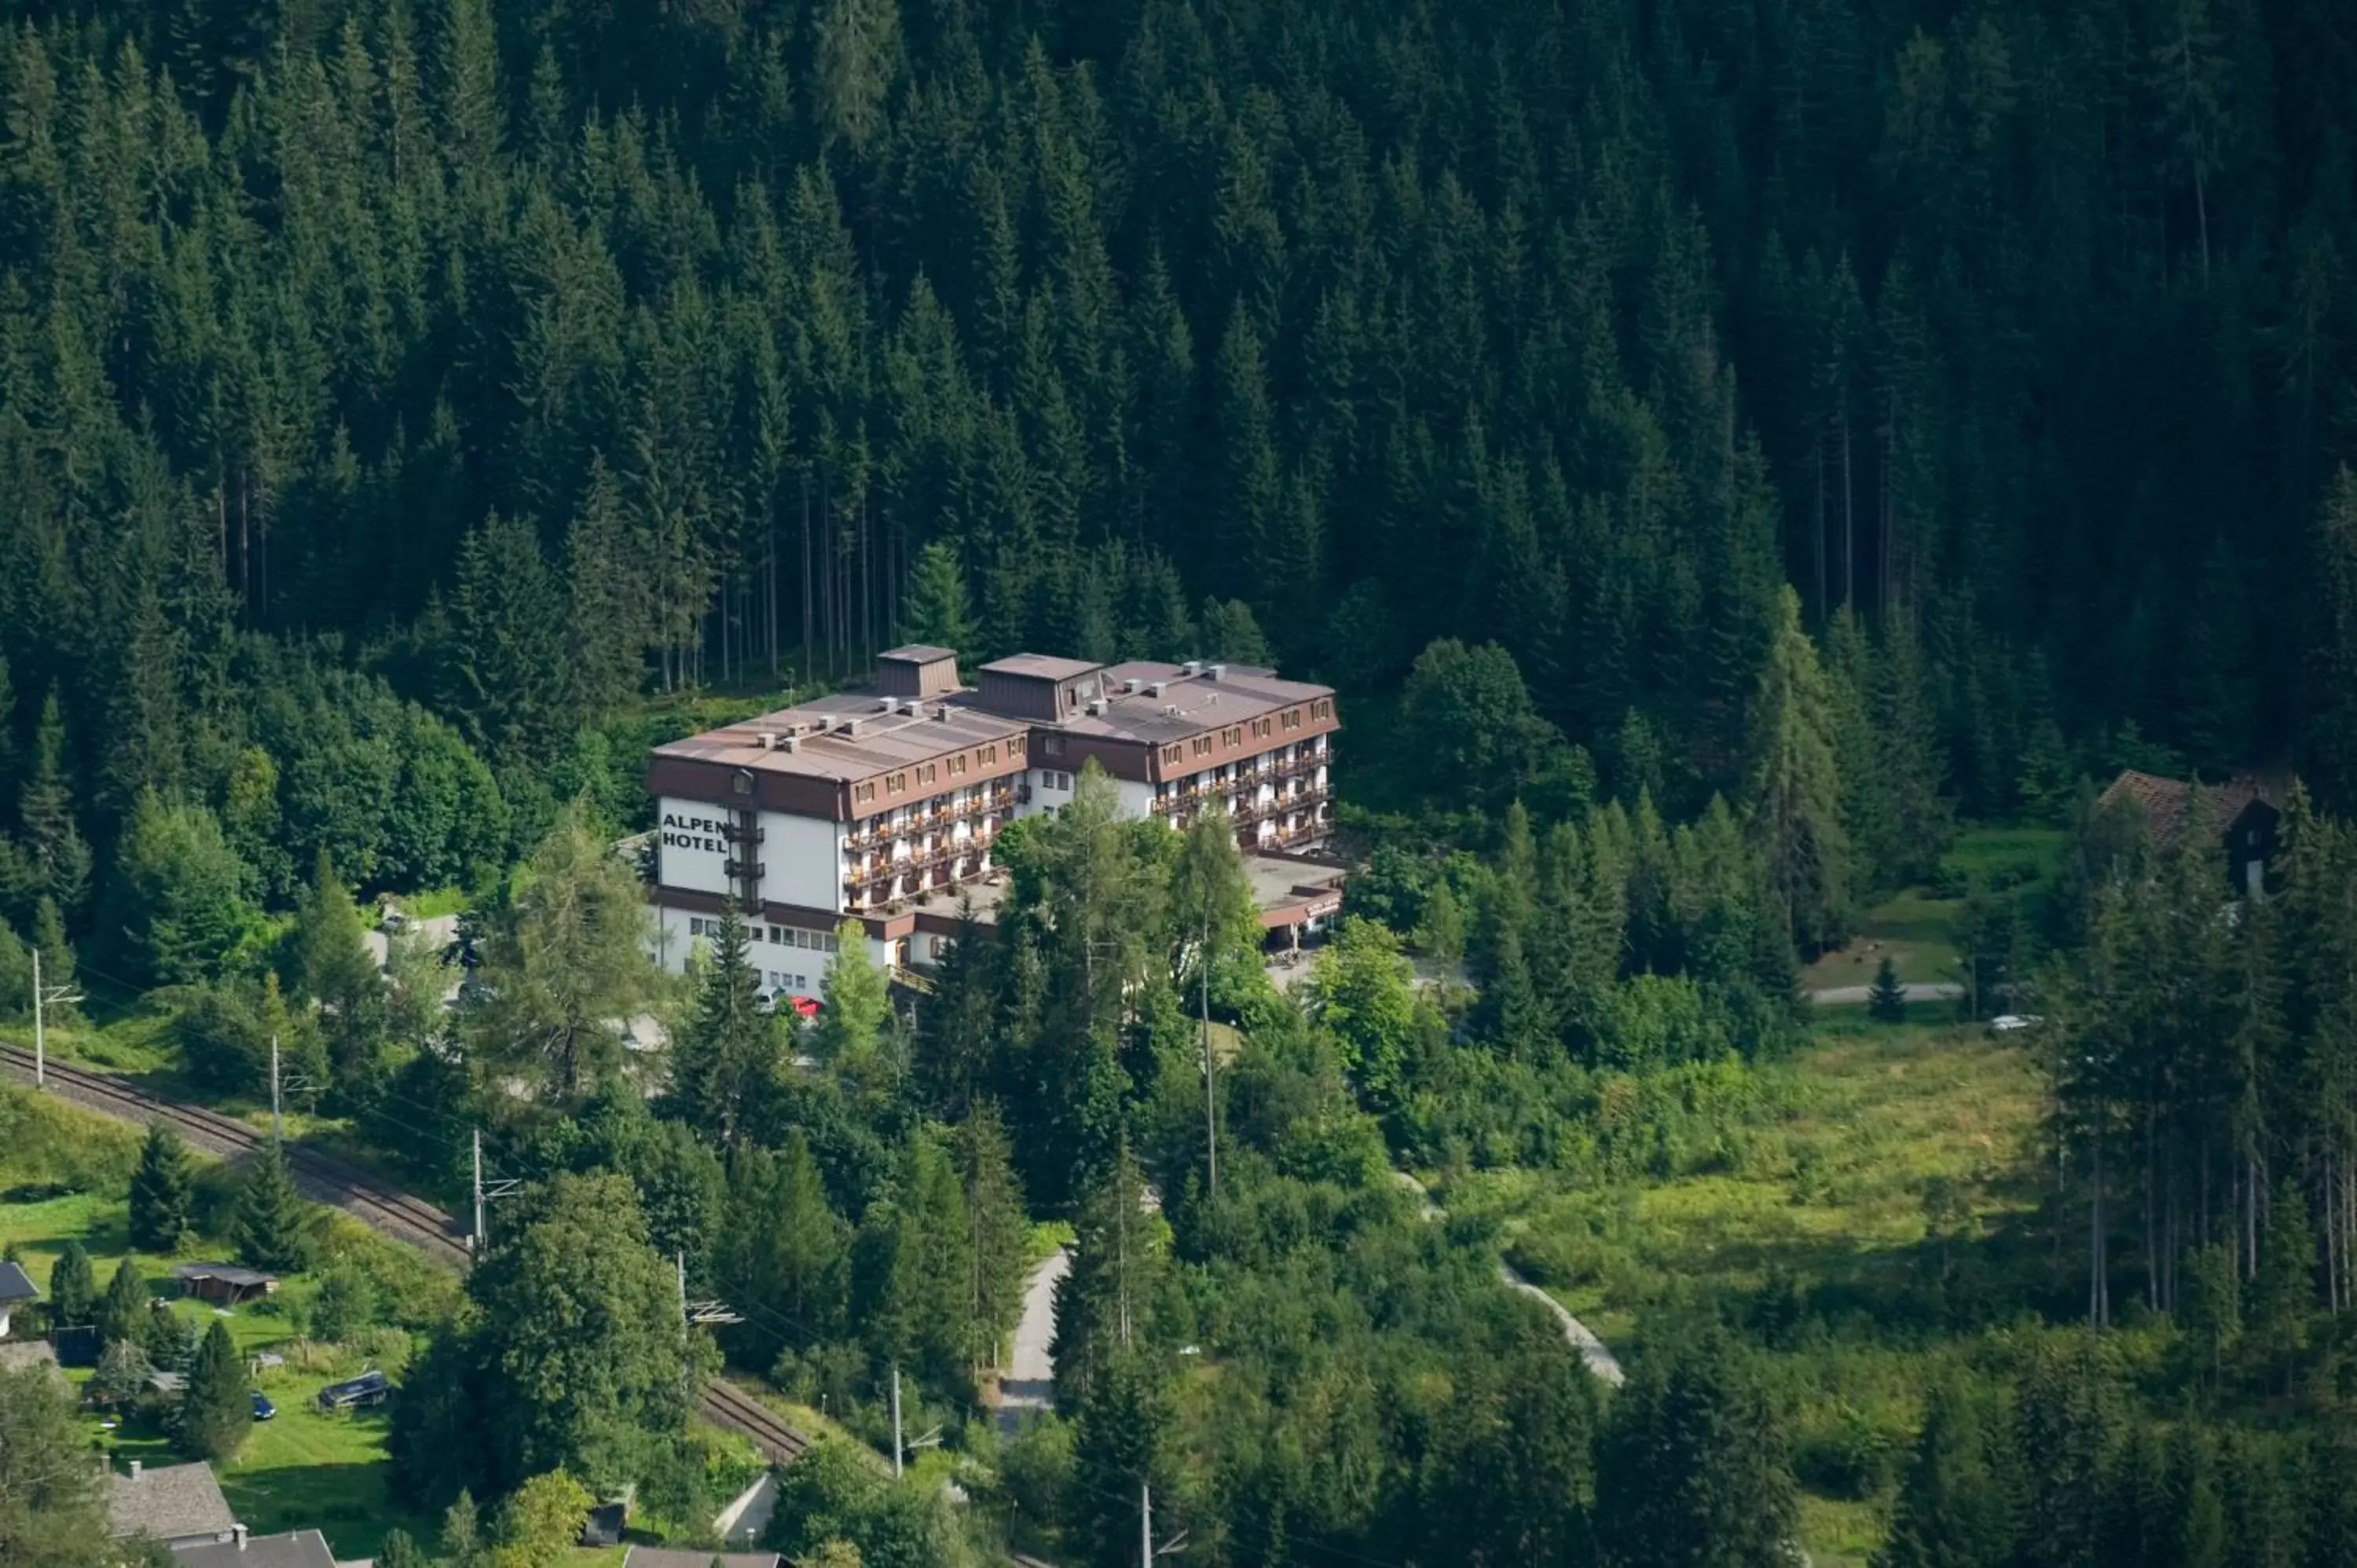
<point>179,1505</point>
<point>294,1548</point>
<point>17,1289</point>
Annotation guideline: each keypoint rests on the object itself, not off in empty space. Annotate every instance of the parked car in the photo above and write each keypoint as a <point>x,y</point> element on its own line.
<point>2011,1023</point>
<point>262,1408</point>
<point>370,1388</point>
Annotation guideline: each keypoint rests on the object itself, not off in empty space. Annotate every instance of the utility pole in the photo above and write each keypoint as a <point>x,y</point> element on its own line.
<point>45,998</point>
<point>895,1421</point>
<point>1144,1525</point>
<point>277,1130</point>
<point>485,1192</point>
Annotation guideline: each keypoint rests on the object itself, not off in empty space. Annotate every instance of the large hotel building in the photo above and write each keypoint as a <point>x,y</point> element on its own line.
<point>883,807</point>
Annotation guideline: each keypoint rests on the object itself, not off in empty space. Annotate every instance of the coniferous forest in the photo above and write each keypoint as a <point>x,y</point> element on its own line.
<point>1718,452</point>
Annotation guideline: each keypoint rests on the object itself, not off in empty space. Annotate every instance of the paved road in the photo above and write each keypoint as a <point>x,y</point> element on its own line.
<point>1917,991</point>
<point>1593,1352</point>
<point>1030,1384</point>
<point>439,931</point>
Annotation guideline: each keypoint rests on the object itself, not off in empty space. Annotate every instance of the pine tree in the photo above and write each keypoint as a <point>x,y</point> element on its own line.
<point>217,1409</point>
<point>1119,1443</point>
<point>725,1057</point>
<point>123,1315</point>
<point>784,1246</point>
<point>856,1006</point>
<point>161,1192</point>
<point>935,612</point>
<point>271,1225</point>
<point>1796,790</point>
<point>73,1289</point>
<point>2329,730</point>
<point>853,67</point>
<point>1953,1510</point>
<point>1000,1232</point>
<point>1885,1002</point>
<point>61,859</point>
<point>1692,1470</point>
<point>1105,1306</point>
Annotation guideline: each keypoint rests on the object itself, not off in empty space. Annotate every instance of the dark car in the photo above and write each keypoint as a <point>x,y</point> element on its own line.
<point>262,1408</point>
<point>370,1388</point>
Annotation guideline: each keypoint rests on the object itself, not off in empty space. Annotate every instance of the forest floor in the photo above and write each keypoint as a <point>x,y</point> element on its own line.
<point>1811,1228</point>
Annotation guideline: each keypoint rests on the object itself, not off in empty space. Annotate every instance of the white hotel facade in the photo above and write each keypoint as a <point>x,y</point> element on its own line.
<point>879,806</point>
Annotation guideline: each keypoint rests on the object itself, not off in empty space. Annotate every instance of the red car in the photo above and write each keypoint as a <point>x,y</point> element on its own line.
<point>805,1006</point>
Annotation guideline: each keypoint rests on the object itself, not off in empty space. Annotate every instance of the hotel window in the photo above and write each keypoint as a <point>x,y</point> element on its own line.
<point>1234,735</point>
<point>1202,746</point>
<point>1323,708</point>
<point>695,925</point>
<point>1293,718</point>
<point>895,784</point>
<point>864,793</point>
<point>957,765</point>
<point>832,944</point>
<point>925,774</point>
<point>1014,746</point>
<point>989,754</point>
<point>1053,745</point>
<point>1174,754</point>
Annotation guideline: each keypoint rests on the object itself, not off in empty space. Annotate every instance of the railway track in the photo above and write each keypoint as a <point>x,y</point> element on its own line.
<point>368,1198</point>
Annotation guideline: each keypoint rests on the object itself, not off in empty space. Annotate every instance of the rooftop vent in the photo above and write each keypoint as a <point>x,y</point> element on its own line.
<point>790,742</point>
<point>850,726</point>
<point>1096,707</point>
<point>1216,671</point>
<point>765,740</point>
<point>941,712</point>
<point>886,704</point>
<point>1155,690</point>
<point>1131,685</point>
<point>1193,666</point>
<point>909,710</point>
<point>1171,712</point>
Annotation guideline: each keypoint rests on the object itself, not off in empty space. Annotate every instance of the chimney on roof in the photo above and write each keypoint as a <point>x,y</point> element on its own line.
<point>239,1530</point>
<point>1131,685</point>
<point>909,710</point>
<point>765,740</point>
<point>941,712</point>
<point>790,742</point>
<point>1216,671</point>
<point>1155,689</point>
<point>1193,666</point>
<point>1096,707</point>
<point>850,726</point>
<point>135,1469</point>
<point>886,704</point>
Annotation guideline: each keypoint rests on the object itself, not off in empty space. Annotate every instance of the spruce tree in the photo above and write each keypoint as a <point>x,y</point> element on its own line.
<point>123,1315</point>
<point>1000,1232</point>
<point>1691,1472</point>
<point>1953,1509</point>
<point>935,610</point>
<point>73,1289</point>
<point>271,1223</point>
<point>61,859</point>
<point>2328,727</point>
<point>1885,1002</point>
<point>217,1409</point>
<point>1795,793</point>
<point>782,1245</point>
<point>161,1192</point>
<point>725,1057</point>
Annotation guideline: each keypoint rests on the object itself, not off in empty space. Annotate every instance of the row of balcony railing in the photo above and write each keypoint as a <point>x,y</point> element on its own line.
<point>919,819</point>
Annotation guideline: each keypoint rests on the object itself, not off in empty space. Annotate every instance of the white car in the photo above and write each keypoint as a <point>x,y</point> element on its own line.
<point>2008,1023</point>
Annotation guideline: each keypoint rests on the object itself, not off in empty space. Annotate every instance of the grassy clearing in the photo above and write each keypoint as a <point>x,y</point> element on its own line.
<point>1810,1226</point>
<point>1916,928</point>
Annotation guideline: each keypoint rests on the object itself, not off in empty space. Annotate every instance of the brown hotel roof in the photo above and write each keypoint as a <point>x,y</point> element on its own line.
<point>1188,705</point>
<point>825,749</point>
